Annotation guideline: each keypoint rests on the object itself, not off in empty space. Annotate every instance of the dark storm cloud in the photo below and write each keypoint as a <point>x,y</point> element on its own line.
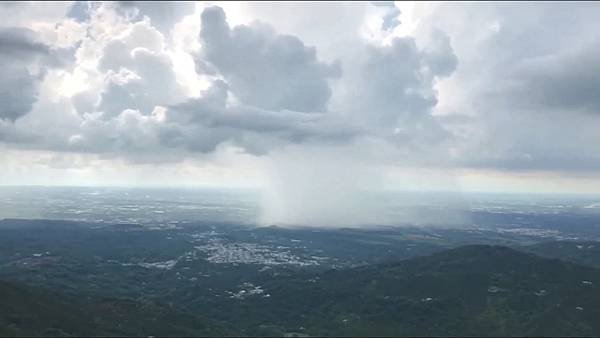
<point>269,91</point>
<point>549,162</point>
<point>266,69</point>
<point>281,87</point>
<point>390,85</point>
<point>202,124</point>
<point>565,81</point>
<point>439,56</point>
<point>23,62</point>
<point>393,87</point>
<point>20,43</point>
<point>18,92</point>
<point>527,90</point>
<point>528,77</point>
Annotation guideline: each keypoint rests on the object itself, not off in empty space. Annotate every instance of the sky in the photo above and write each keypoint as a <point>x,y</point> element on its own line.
<point>309,101</point>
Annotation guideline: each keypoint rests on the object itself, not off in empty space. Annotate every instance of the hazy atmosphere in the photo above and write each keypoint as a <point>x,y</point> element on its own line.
<point>299,169</point>
<point>305,102</point>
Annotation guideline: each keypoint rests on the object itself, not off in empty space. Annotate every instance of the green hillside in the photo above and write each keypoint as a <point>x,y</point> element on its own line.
<point>584,253</point>
<point>476,290</point>
<point>26,311</point>
<point>472,290</point>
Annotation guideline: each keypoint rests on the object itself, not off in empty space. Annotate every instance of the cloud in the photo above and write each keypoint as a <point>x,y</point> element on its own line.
<point>392,93</point>
<point>163,14</point>
<point>275,97</point>
<point>28,14</point>
<point>81,11</point>
<point>510,87</point>
<point>23,64</point>
<point>390,90</point>
<point>390,19</point>
<point>563,81</point>
<point>265,69</point>
<point>526,80</point>
<point>395,83</point>
<point>135,107</point>
<point>137,74</point>
<point>20,43</point>
<point>203,123</point>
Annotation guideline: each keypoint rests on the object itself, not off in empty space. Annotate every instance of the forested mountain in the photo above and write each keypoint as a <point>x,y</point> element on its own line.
<point>470,290</point>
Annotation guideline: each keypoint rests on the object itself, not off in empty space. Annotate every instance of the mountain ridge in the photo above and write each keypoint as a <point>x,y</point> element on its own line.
<point>472,290</point>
